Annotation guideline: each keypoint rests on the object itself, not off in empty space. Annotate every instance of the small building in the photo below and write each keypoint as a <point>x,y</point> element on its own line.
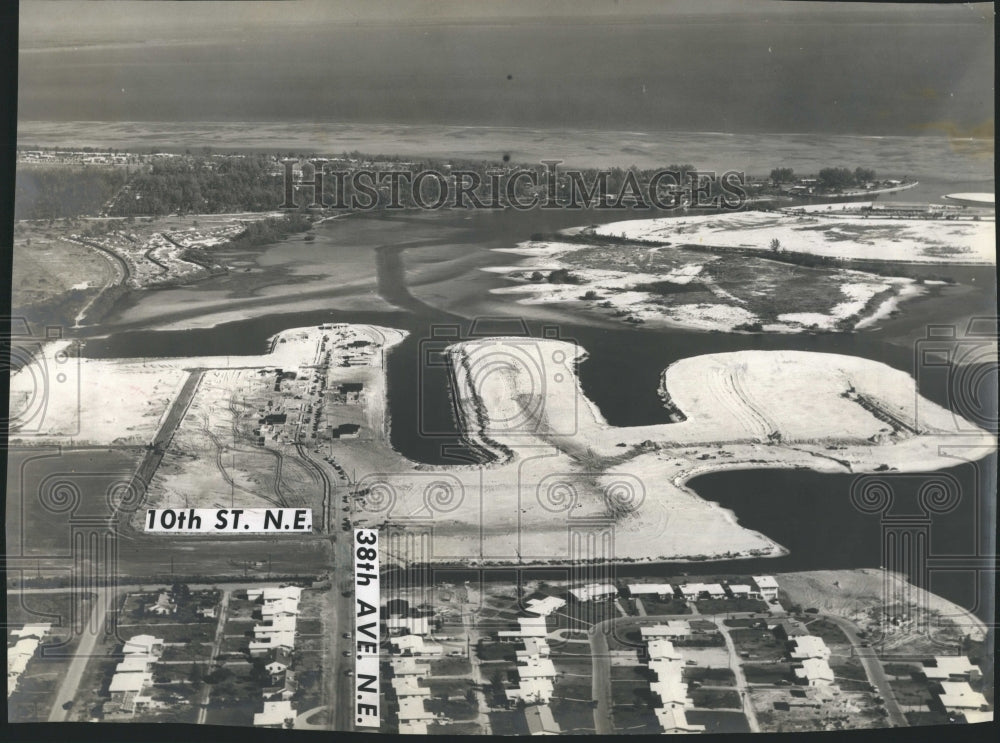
<point>815,672</point>
<point>545,606</point>
<point>409,666</point>
<point>594,592</point>
<point>660,590</point>
<point>415,645</point>
<point>714,590</point>
<point>766,586</point>
<point>739,591</point>
<point>135,664</point>
<point>164,606</point>
<point>276,714</point>
<point>958,695</point>
<point>283,688</point>
<point>411,727</point>
<point>809,646</point>
<point>527,627</point>
<point>673,720</point>
<point>531,691</point>
<point>409,686</point>
<point>270,643</point>
<point>284,607</point>
<point>951,668</point>
<point>411,709</point>
<point>540,720</point>
<point>38,631</point>
<point>406,625</point>
<point>144,645</point>
<point>671,629</point>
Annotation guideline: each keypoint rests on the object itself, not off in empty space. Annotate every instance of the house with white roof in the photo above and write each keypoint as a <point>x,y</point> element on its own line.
<point>670,629</point>
<point>594,592</point>
<point>38,631</point>
<point>540,720</point>
<point>269,643</point>
<point>285,607</point>
<point>411,709</point>
<point>277,626</point>
<point>673,720</point>
<point>951,668</point>
<point>527,627</point>
<point>269,595</point>
<point>545,606</point>
<point>692,591</point>
<point>660,590</point>
<point>411,727</point>
<point>739,591</point>
<point>164,605</point>
<point>809,646</point>
<point>415,645</point>
<point>958,695</point>
<point>409,686</point>
<point>276,714</point>
<point>815,672</point>
<point>126,692</point>
<point>536,668</point>
<point>766,586</point>
<point>714,590</point>
<point>136,663</point>
<point>531,691</point>
<point>409,666</point>
<point>144,645</point>
<point>408,625</point>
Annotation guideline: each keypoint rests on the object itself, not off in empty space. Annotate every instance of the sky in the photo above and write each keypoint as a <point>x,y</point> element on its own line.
<point>715,65</point>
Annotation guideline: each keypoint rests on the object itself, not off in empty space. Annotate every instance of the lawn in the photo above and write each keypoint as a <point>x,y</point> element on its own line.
<point>453,666</point>
<point>724,606</point>
<point>719,722</point>
<point>448,687</point>
<point>194,651</point>
<point>715,698</point>
<point>630,672</point>
<point>497,651</point>
<point>910,691</point>
<point>509,722</point>
<point>769,673</point>
<point>453,709</point>
<point>759,644</point>
<point>829,632</point>
<point>850,675</point>
<point>629,692</point>
<point>455,728</point>
<point>309,626</point>
<point>710,676</point>
<point>171,632</point>
<point>657,606</point>
<point>573,716</point>
<point>44,608</point>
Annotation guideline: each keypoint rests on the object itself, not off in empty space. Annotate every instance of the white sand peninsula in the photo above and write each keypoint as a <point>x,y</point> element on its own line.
<point>827,412</point>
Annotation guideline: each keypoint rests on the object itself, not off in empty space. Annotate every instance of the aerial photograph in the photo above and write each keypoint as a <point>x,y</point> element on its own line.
<point>449,367</point>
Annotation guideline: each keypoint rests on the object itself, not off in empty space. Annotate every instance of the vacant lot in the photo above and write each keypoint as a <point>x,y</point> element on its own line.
<point>758,644</point>
<point>715,698</point>
<point>770,673</point>
<point>719,722</point>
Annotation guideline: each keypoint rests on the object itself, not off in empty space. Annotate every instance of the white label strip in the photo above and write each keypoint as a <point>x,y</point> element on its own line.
<point>367,603</point>
<point>229,520</point>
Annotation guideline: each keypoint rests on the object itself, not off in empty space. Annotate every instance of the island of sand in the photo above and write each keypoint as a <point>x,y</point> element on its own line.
<point>307,422</point>
<point>824,268</point>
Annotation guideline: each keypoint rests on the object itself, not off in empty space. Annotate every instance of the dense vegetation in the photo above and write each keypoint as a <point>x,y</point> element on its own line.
<point>270,230</point>
<point>201,185</point>
<point>55,193</point>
